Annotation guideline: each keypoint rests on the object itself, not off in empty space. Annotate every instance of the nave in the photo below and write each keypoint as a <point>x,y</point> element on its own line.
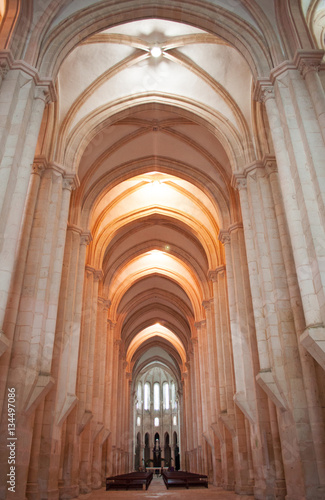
<point>157,490</point>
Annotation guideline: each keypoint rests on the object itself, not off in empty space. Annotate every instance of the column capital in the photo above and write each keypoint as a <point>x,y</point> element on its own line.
<point>6,61</point>
<point>85,238</point>
<point>235,227</point>
<point>56,167</point>
<point>263,167</point>
<point>105,303</point>
<point>97,273</point>
<point>224,237</point>
<point>308,60</point>
<point>270,165</point>
<point>239,181</point>
<point>39,165</point>
<point>74,228</point>
<point>207,304</point>
<point>199,324</point>
<point>194,340</point>
<point>213,273</point>
<point>45,85</point>
<point>71,182</point>
<point>264,90</point>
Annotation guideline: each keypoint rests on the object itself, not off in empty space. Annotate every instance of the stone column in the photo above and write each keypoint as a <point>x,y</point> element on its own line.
<point>282,380</point>
<point>197,386</point>
<point>43,456</point>
<point>114,403</point>
<point>308,63</point>
<point>225,375</point>
<point>22,105</point>
<point>99,431</point>
<point>308,365</point>
<point>32,351</point>
<point>109,374</point>
<point>68,335</point>
<point>13,303</point>
<point>187,428</point>
<point>85,376</point>
<point>202,368</point>
<point>211,349</point>
<point>303,194</point>
<point>244,376</point>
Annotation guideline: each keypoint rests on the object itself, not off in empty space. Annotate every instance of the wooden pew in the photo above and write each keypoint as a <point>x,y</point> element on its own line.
<point>185,479</point>
<point>133,480</point>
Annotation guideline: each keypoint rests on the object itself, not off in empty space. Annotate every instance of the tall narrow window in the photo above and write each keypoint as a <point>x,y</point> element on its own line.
<point>166,395</point>
<point>146,396</point>
<point>156,422</point>
<point>139,396</point>
<point>156,396</point>
<point>173,395</point>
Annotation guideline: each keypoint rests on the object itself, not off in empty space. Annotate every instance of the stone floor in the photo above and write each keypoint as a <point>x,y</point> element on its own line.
<point>157,490</point>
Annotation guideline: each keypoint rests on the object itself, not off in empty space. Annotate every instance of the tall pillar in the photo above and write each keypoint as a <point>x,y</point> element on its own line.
<point>14,298</point>
<point>22,103</point>
<point>299,155</point>
<point>32,351</point>
<point>99,431</point>
<point>283,379</point>
<point>240,328</point>
<point>300,151</point>
<point>225,375</point>
<point>68,340</point>
<point>308,63</point>
<point>85,376</point>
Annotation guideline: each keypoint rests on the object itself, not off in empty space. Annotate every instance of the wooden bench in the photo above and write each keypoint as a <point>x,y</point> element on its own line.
<point>185,479</point>
<point>133,480</point>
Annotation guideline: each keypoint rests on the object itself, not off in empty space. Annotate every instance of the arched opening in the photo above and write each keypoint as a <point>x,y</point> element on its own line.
<point>176,452</point>
<point>157,451</point>
<point>137,460</point>
<point>167,451</point>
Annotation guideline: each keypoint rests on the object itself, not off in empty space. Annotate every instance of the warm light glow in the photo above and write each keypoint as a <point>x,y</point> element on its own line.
<point>154,331</point>
<point>155,252</point>
<point>155,51</point>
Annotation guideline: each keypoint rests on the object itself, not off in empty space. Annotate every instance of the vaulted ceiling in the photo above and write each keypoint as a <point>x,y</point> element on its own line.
<point>155,141</point>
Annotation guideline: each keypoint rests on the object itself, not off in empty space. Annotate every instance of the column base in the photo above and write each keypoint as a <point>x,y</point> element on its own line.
<point>97,485</point>
<point>244,490</point>
<point>228,487</point>
<point>67,492</point>
<point>32,491</point>
<point>52,494</point>
<point>85,488</point>
<point>280,490</point>
<point>320,493</point>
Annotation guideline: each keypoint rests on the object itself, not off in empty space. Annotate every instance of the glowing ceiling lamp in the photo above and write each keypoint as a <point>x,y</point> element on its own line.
<point>155,51</point>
